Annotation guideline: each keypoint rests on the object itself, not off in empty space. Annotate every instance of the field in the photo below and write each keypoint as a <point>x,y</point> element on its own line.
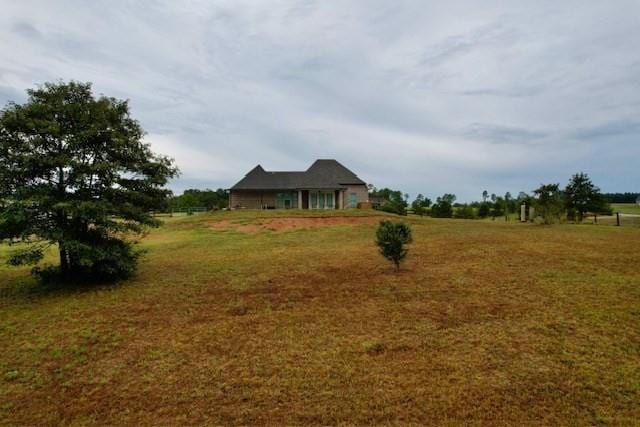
<point>250,318</point>
<point>626,208</point>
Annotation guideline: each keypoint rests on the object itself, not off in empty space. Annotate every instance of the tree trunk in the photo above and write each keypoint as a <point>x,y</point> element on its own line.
<point>64,260</point>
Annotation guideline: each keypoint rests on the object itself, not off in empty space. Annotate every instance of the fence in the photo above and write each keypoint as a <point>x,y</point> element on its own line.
<point>182,211</point>
<point>617,219</point>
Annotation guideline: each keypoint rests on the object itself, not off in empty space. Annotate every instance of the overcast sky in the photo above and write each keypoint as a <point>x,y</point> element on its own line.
<point>430,97</point>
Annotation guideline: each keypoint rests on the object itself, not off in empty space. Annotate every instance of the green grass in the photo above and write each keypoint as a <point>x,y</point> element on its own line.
<point>268,318</point>
<point>627,208</point>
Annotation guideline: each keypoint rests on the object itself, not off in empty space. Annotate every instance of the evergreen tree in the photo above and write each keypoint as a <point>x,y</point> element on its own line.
<point>583,196</point>
<point>74,172</point>
<point>391,238</point>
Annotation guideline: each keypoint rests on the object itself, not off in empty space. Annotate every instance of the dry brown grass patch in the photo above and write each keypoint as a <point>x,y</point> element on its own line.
<point>292,223</point>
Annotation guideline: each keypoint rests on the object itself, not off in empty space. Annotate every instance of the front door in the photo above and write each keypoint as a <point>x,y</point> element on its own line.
<point>353,200</point>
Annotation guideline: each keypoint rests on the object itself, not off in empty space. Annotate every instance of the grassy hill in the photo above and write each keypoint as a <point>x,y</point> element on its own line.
<point>252,318</point>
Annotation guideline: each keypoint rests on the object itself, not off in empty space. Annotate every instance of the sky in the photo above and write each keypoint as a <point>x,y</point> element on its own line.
<point>422,96</point>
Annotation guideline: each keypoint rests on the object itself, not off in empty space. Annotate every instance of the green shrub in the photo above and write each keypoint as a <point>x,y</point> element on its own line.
<point>465,212</point>
<point>391,238</point>
<point>373,347</point>
<point>394,207</point>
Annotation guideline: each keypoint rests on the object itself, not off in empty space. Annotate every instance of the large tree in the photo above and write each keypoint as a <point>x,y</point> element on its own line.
<point>75,173</point>
<point>582,196</point>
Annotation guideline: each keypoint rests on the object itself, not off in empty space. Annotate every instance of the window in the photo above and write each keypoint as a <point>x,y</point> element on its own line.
<point>322,199</point>
<point>287,200</point>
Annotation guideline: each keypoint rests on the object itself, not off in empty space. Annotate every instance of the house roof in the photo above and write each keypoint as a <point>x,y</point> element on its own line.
<point>323,173</point>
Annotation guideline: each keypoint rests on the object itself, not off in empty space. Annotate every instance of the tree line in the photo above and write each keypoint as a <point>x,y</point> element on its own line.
<point>550,202</point>
<point>622,197</point>
<point>194,198</point>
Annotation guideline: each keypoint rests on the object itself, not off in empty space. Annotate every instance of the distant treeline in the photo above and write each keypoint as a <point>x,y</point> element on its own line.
<point>579,198</point>
<point>621,197</point>
<point>193,198</point>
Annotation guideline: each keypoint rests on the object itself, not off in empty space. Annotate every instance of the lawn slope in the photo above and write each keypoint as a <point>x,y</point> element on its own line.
<point>271,317</point>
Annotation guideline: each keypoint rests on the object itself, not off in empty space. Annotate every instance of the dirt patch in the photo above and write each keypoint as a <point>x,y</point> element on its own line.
<point>291,224</point>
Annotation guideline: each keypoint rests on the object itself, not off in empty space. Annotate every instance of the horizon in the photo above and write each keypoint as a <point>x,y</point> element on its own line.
<point>423,98</point>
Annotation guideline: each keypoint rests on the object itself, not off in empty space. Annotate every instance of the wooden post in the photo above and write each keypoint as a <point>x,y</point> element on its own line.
<point>595,218</point>
<point>618,219</point>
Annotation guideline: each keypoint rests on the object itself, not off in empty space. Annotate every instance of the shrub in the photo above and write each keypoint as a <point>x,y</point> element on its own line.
<point>373,347</point>
<point>394,207</point>
<point>391,238</point>
<point>465,212</point>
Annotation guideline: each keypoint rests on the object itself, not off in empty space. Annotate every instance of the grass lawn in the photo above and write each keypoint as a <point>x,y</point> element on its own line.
<point>250,318</point>
<point>628,208</point>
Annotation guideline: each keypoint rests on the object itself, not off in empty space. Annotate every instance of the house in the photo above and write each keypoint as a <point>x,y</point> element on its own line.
<point>325,185</point>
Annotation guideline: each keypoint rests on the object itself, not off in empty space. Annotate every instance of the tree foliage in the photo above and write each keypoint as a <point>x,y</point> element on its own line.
<point>465,211</point>
<point>75,172</point>
<point>209,199</point>
<point>443,208</point>
<point>582,196</point>
<point>391,238</point>
<point>395,200</point>
<point>420,205</point>
<point>622,197</point>
<point>549,203</point>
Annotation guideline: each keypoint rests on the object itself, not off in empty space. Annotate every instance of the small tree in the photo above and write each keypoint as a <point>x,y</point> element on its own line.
<point>549,202</point>
<point>391,238</point>
<point>74,172</point>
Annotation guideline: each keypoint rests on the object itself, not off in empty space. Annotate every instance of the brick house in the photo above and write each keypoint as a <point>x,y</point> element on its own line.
<point>325,185</point>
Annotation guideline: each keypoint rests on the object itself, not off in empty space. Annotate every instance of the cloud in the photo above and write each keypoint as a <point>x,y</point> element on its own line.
<point>423,96</point>
<point>503,134</point>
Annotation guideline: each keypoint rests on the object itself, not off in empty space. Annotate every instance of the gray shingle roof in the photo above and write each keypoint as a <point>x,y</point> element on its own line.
<point>323,173</point>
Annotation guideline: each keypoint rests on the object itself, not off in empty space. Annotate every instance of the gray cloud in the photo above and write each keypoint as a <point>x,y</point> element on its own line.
<point>503,134</point>
<point>427,97</point>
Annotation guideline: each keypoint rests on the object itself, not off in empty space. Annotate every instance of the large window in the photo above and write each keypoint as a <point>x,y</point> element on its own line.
<point>322,199</point>
<point>288,200</point>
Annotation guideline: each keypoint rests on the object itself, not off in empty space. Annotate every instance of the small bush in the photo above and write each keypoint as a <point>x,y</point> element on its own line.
<point>373,347</point>
<point>391,238</point>
<point>11,376</point>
